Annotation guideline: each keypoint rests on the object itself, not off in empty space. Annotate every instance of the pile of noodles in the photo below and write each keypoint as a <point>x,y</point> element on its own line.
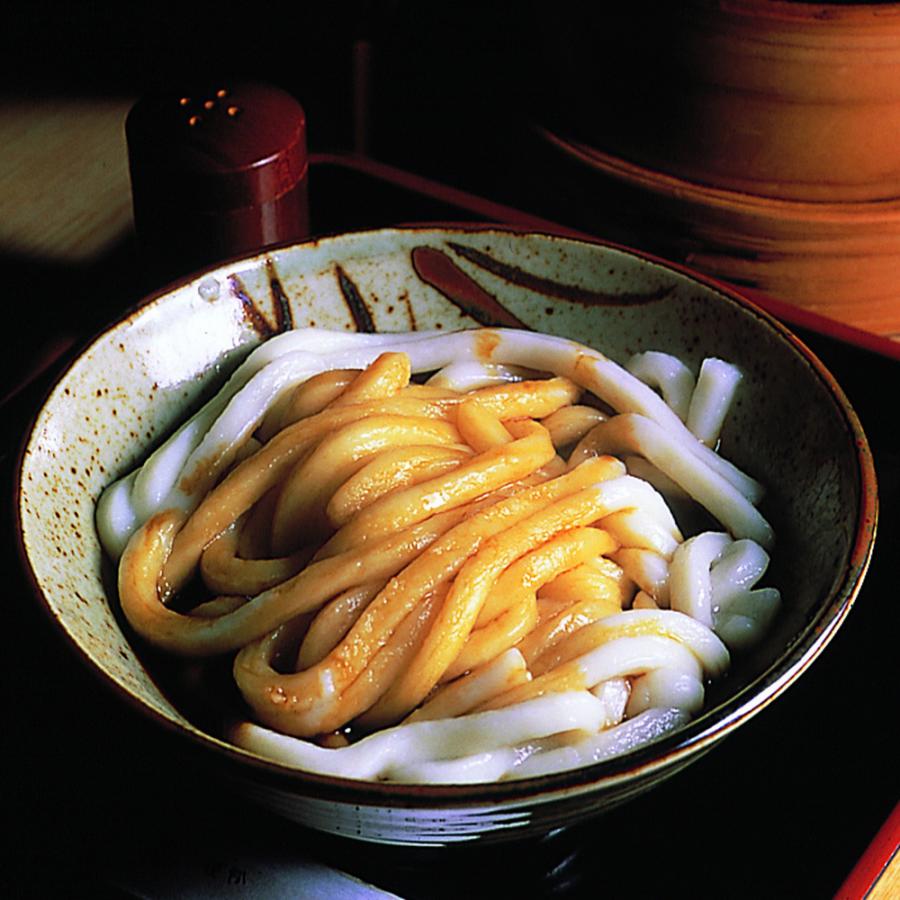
<point>470,576</point>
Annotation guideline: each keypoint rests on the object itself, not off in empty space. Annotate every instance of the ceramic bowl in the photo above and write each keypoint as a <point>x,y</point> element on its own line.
<point>793,428</point>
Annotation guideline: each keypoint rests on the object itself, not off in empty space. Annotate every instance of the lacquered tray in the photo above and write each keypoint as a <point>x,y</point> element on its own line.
<point>787,807</point>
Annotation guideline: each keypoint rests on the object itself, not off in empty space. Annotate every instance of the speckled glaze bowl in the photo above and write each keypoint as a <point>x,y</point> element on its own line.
<point>792,428</point>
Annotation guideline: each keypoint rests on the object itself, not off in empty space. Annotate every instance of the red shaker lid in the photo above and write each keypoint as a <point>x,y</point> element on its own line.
<point>220,147</point>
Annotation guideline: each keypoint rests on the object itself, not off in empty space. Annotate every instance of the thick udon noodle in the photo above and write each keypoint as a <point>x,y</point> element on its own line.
<point>469,577</point>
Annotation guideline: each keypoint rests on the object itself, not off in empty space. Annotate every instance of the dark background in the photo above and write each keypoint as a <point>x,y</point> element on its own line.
<point>450,90</point>
<point>435,68</point>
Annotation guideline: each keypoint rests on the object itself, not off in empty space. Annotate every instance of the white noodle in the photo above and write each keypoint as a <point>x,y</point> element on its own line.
<point>640,468</point>
<point>690,586</point>
<point>746,617</point>
<point>638,732</point>
<point>636,528</point>
<point>469,375</point>
<point>642,600</point>
<point>179,473</point>
<point>632,433</point>
<point>639,685</point>
<point>717,384</point>
<point>647,569</point>
<point>405,745</point>
<point>711,577</point>
<point>668,373</point>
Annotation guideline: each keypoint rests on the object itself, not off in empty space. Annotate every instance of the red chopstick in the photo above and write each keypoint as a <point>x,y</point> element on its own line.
<point>879,867</point>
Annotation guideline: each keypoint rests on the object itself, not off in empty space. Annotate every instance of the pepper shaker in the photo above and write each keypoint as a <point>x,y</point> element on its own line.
<point>217,171</point>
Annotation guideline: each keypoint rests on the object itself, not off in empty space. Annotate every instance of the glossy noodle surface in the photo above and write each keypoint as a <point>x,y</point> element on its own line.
<point>448,557</point>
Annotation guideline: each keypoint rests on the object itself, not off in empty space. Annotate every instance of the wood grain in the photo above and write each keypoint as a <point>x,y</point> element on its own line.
<point>65,194</point>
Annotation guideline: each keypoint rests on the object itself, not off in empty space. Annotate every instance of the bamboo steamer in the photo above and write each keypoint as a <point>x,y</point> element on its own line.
<point>762,147</point>
<point>787,100</point>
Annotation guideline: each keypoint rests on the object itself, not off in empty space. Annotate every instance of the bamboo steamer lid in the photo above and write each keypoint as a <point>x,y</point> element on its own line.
<point>779,99</point>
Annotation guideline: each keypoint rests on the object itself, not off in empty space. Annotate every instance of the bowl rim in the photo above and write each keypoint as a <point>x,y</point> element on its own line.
<point>678,747</point>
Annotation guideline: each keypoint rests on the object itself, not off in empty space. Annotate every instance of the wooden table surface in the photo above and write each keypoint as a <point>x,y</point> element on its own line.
<point>65,202</point>
<point>64,189</point>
